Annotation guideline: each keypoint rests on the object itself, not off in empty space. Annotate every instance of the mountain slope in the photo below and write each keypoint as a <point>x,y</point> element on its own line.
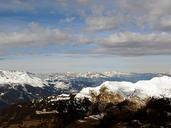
<point>18,86</point>
<point>156,87</point>
<point>16,77</point>
<point>76,81</point>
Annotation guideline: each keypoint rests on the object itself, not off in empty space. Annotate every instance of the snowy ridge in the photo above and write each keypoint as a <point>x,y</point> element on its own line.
<point>87,74</point>
<point>156,87</point>
<point>17,77</point>
<point>76,81</point>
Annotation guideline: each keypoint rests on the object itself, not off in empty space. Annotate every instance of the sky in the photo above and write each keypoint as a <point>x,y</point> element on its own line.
<point>85,35</point>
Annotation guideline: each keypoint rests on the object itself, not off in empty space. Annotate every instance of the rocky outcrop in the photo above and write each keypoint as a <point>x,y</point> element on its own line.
<point>70,113</point>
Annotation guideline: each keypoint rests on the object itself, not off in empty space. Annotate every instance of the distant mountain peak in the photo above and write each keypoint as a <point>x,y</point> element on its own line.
<point>19,77</point>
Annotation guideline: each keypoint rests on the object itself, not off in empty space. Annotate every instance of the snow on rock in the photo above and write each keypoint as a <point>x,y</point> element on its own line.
<point>97,117</point>
<point>61,85</point>
<point>16,77</point>
<point>156,87</point>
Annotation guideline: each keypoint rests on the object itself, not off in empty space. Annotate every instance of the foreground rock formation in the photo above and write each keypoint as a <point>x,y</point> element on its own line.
<point>71,113</point>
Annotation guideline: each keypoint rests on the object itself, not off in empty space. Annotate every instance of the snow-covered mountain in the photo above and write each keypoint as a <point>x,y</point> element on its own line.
<point>76,81</point>
<point>157,87</point>
<point>15,77</point>
<point>126,96</point>
<point>21,86</point>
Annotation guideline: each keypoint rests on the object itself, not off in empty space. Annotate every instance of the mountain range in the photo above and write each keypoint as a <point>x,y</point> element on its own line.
<point>17,86</point>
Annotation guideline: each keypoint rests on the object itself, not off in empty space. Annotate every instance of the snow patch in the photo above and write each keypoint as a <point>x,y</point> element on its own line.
<point>156,87</point>
<point>16,77</point>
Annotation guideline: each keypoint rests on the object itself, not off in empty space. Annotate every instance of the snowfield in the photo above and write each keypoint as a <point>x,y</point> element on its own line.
<point>156,87</point>
<point>17,77</point>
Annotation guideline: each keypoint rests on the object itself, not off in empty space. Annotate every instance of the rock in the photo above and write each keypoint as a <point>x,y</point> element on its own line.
<point>136,123</point>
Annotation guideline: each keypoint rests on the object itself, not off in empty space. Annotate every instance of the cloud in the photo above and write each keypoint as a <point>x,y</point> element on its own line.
<point>135,44</point>
<point>148,12</point>
<point>37,37</point>
<point>100,23</point>
<point>152,15</point>
<point>83,1</point>
<point>101,15</point>
<point>113,27</point>
<point>16,5</point>
<point>164,23</point>
<point>34,34</point>
<point>118,43</point>
<point>67,20</point>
